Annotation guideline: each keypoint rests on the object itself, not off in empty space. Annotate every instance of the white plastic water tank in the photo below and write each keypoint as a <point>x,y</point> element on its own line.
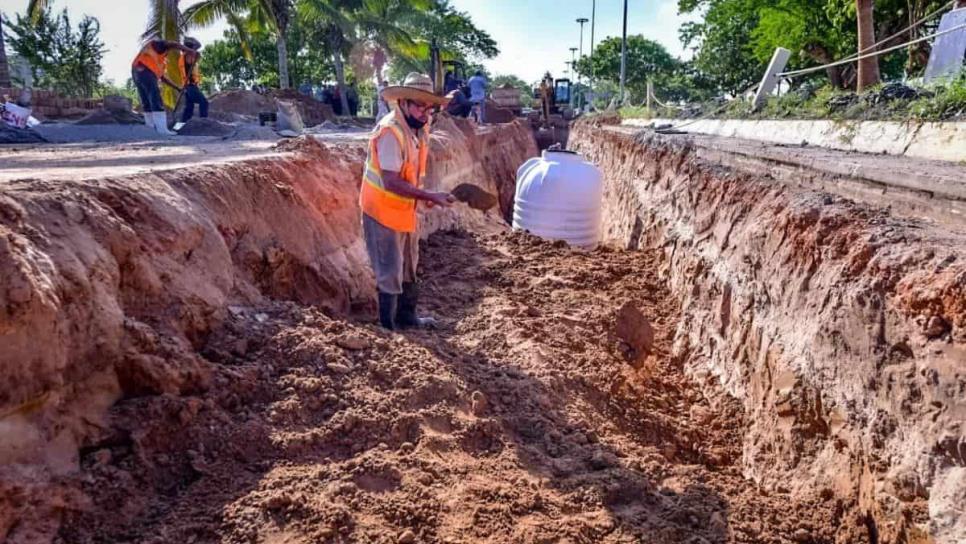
<point>558,197</point>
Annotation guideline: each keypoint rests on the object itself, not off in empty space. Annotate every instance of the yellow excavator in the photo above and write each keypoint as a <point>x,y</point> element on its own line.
<point>439,67</point>
<point>553,95</point>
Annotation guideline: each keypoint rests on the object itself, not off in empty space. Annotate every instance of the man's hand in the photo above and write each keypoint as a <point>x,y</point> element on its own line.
<point>441,199</point>
<point>171,84</point>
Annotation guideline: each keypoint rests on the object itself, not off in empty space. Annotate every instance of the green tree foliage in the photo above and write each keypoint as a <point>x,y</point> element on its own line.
<point>736,38</point>
<point>257,16</point>
<point>646,60</point>
<point>724,52</point>
<point>453,31</point>
<point>224,67</point>
<point>60,57</point>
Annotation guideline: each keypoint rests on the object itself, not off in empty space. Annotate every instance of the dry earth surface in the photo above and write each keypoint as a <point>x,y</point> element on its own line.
<point>546,408</point>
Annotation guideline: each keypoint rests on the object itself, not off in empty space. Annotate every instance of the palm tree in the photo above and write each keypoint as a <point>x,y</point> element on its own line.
<point>273,16</point>
<point>868,68</point>
<point>4,64</point>
<point>335,23</point>
<point>383,24</point>
<point>344,24</point>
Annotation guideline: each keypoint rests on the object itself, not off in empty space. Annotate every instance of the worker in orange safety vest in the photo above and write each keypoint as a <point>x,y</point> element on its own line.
<point>191,75</point>
<point>391,188</point>
<point>148,71</point>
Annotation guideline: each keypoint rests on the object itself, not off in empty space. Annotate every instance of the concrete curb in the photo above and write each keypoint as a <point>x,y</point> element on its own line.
<point>936,141</point>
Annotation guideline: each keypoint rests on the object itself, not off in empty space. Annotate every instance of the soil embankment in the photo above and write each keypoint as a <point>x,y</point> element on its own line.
<point>839,327</point>
<point>190,356</point>
<point>111,286</point>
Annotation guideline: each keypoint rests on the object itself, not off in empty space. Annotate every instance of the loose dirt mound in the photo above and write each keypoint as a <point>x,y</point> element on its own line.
<point>10,135</point>
<point>241,102</point>
<point>312,111</point>
<point>111,117</point>
<point>520,420</point>
<point>206,127</point>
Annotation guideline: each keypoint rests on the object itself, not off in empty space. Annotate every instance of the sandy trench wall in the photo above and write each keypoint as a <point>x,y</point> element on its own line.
<point>109,287</point>
<point>841,329</point>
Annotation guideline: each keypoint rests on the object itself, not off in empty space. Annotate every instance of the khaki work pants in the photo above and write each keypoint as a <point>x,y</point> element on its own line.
<point>393,255</point>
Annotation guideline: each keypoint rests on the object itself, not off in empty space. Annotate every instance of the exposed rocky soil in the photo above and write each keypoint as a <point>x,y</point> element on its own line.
<point>838,325</point>
<point>111,281</point>
<point>546,408</point>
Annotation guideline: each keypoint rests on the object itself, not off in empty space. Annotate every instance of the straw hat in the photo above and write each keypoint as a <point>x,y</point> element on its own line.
<point>416,87</point>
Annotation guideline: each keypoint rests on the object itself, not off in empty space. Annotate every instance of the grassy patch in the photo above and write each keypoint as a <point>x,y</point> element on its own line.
<point>891,102</point>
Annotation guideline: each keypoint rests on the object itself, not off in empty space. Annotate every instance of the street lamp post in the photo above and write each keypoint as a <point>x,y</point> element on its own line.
<point>573,73</point>
<point>581,21</point>
<point>624,55</point>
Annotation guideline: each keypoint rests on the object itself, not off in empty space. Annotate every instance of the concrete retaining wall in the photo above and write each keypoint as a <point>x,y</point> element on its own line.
<point>937,141</point>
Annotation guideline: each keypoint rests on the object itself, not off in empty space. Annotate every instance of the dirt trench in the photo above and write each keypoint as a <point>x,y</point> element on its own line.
<point>191,356</point>
<point>546,408</point>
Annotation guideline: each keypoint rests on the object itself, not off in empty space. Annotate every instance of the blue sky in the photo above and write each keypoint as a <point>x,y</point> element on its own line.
<point>534,35</point>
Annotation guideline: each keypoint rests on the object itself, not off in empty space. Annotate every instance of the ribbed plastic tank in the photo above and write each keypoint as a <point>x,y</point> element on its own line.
<point>558,197</point>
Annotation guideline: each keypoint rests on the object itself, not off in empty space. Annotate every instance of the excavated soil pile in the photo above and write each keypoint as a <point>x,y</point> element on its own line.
<point>111,117</point>
<point>546,408</point>
<point>241,102</point>
<point>312,111</point>
<point>198,126</point>
<point>11,135</point>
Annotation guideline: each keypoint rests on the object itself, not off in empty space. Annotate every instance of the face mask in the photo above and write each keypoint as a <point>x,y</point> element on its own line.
<point>414,124</point>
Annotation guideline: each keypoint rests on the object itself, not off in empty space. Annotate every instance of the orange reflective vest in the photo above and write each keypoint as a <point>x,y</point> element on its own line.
<point>195,77</point>
<point>152,60</point>
<point>389,209</point>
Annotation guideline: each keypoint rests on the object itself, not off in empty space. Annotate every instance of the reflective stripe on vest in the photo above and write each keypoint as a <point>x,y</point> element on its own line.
<point>195,78</point>
<point>152,60</point>
<point>391,210</point>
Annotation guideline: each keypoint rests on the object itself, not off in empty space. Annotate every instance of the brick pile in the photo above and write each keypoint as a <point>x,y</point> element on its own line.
<point>49,104</point>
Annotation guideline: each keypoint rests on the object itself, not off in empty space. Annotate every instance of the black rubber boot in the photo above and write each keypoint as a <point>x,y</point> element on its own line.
<point>387,310</point>
<point>406,317</point>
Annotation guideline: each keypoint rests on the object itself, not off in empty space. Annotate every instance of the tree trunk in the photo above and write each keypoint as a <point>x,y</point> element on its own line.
<point>340,80</point>
<point>822,56</point>
<point>868,68</point>
<point>4,66</point>
<point>282,60</point>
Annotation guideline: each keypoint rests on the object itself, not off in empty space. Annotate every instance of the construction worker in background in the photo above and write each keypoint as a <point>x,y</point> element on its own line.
<point>477,85</point>
<point>191,74</point>
<point>391,187</point>
<point>148,71</point>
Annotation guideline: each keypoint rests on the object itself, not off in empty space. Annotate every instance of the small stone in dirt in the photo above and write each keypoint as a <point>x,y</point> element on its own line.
<point>602,459</point>
<point>240,347</point>
<point>261,318</point>
<point>425,478</point>
<point>717,524</point>
<point>102,457</point>
<point>478,403</point>
<point>352,342</point>
<point>936,327</point>
<point>338,368</point>
<point>407,447</point>
<point>407,537</point>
